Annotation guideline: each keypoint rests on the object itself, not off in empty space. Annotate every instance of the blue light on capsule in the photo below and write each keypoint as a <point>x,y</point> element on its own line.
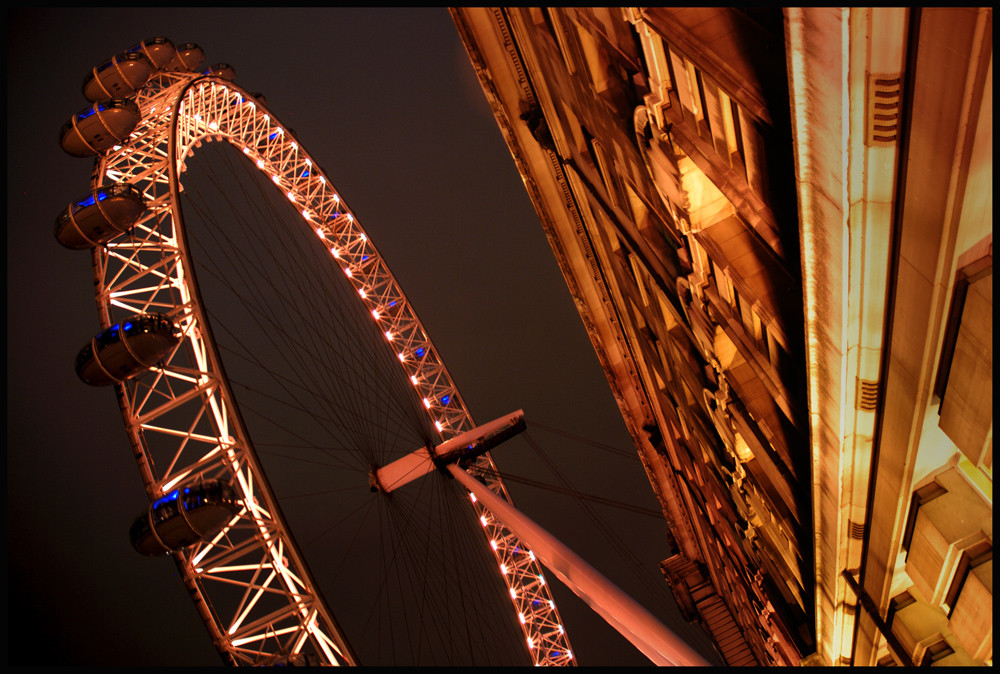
<point>172,496</point>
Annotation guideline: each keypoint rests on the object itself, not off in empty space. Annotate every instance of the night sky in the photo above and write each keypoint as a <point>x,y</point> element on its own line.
<point>388,103</point>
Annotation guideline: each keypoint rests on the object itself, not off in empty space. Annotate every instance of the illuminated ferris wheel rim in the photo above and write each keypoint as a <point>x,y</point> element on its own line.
<point>211,108</point>
<point>305,185</point>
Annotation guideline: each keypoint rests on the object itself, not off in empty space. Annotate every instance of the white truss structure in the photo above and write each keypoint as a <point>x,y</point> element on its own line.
<point>249,583</point>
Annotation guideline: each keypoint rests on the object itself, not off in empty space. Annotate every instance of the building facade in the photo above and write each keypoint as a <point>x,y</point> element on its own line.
<point>777,228</point>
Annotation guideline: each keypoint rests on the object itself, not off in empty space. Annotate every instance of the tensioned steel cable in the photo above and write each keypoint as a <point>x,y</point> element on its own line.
<point>292,289</point>
<point>365,412</point>
<point>633,563</point>
<point>569,491</point>
<point>611,449</point>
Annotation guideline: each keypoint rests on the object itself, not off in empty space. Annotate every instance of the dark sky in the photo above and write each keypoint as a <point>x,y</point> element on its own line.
<point>387,102</point>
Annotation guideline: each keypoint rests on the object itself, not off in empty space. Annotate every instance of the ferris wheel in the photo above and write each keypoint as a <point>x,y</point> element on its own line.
<point>367,404</point>
<point>212,506</point>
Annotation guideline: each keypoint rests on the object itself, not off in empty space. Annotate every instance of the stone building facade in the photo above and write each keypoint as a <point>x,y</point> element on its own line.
<point>777,228</point>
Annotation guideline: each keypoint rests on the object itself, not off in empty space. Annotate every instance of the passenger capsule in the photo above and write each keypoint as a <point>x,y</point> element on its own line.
<point>223,70</point>
<point>187,59</point>
<point>159,50</point>
<point>100,216</point>
<point>99,127</point>
<point>117,78</point>
<point>183,517</point>
<point>126,349</point>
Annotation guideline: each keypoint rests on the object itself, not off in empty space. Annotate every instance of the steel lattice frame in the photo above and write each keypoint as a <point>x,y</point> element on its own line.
<point>249,583</point>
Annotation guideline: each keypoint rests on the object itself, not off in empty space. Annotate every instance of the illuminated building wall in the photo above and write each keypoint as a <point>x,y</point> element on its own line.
<point>777,228</point>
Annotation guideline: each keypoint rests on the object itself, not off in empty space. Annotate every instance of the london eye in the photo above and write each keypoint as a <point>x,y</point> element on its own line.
<point>153,105</point>
<point>129,309</point>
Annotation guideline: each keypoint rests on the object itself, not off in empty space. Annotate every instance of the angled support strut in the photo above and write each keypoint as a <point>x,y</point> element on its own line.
<point>632,620</point>
<point>465,446</point>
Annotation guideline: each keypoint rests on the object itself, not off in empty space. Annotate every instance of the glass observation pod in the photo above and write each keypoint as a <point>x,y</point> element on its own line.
<point>126,349</point>
<point>187,58</point>
<point>183,517</point>
<point>223,70</point>
<point>99,127</point>
<point>100,216</point>
<point>159,50</point>
<point>118,77</point>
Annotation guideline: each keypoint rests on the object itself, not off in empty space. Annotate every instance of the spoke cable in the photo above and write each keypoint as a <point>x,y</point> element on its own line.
<point>508,477</point>
<point>321,367</point>
<point>583,439</point>
<point>624,551</point>
<point>303,369</point>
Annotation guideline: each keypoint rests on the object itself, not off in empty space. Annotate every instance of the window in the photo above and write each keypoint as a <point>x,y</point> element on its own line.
<point>964,380</point>
<point>936,651</point>
<point>541,19</point>
<point>640,280</point>
<point>921,496</point>
<point>640,212</point>
<point>607,174</point>
<point>898,603</point>
<point>596,58</point>
<point>704,119</point>
<point>560,34</point>
<point>971,558</point>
